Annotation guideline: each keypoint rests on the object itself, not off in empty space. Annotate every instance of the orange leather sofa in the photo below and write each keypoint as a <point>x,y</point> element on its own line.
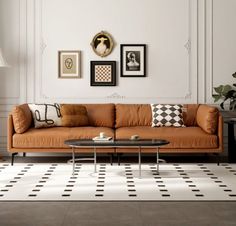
<point>203,132</point>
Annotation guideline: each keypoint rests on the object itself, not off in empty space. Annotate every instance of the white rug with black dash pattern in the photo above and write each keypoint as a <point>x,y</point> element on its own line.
<point>175,182</point>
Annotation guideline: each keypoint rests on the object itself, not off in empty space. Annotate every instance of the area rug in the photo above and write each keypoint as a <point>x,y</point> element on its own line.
<point>175,182</point>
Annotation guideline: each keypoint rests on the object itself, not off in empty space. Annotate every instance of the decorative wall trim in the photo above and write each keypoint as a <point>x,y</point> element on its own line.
<point>187,46</point>
<point>209,48</point>
<point>21,64</point>
<point>6,107</point>
<point>21,60</point>
<point>116,96</point>
<point>204,60</point>
<point>30,54</point>
<point>23,51</point>
<point>43,45</point>
<point>4,115</point>
<point>191,46</point>
<point>38,49</point>
<point>7,103</point>
<point>191,92</point>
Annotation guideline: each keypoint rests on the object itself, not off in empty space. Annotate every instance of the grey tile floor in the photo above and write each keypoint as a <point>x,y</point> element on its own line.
<point>115,213</point>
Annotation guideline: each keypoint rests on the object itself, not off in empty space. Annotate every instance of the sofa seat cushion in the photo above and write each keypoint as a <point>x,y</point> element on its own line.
<point>187,137</point>
<point>54,137</point>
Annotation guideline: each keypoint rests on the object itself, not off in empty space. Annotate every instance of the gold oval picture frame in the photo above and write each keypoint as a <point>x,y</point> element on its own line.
<point>102,44</point>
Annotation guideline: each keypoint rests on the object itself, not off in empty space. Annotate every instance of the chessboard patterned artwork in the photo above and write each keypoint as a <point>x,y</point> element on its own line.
<point>103,73</point>
<point>175,182</point>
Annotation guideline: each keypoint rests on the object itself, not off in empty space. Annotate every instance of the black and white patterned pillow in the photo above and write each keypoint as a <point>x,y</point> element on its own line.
<point>167,115</point>
<point>46,115</point>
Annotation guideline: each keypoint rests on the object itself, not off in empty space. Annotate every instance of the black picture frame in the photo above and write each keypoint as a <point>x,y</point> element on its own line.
<point>102,73</point>
<point>133,60</point>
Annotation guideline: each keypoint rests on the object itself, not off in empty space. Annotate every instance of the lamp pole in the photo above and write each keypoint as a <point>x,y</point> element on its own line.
<point>3,62</point>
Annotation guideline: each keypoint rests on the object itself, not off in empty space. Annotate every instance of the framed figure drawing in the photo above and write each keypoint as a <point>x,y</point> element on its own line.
<point>69,64</point>
<point>133,60</point>
<point>103,73</point>
<point>102,44</point>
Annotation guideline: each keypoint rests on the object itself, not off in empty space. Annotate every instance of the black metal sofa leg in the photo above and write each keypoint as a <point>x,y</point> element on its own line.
<point>111,158</point>
<point>12,157</point>
<point>218,159</point>
<point>118,157</point>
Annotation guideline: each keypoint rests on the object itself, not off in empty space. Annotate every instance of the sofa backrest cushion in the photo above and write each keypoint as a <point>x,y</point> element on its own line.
<point>133,115</point>
<point>102,115</point>
<point>189,114</point>
<point>22,118</point>
<point>207,118</point>
<point>141,115</point>
<point>74,115</point>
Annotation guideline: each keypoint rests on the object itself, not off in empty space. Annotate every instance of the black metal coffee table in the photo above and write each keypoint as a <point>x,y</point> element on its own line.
<point>139,144</point>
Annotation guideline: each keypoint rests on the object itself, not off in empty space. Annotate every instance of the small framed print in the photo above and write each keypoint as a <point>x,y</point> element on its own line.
<point>102,44</point>
<point>133,60</point>
<point>69,64</point>
<point>103,73</point>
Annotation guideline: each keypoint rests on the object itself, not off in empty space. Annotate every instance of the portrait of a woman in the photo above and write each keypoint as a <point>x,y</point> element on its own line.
<point>102,44</point>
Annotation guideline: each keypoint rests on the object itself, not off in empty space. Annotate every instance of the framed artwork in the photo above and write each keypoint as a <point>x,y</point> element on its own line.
<point>69,64</point>
<point>103,73</point>
<point>133,60</point>
<point>102,44</point>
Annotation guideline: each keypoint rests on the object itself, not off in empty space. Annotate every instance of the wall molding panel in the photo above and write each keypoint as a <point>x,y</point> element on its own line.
<point>18,68</point>
<point>41,47</point>
<point>13,79</point>
<point>220,34</point>
<point>209,51</point>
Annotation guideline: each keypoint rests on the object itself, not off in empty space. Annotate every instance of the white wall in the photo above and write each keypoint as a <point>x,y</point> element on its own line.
<point>163,25</point>
<point>190,49</point>
<point>12,79</point>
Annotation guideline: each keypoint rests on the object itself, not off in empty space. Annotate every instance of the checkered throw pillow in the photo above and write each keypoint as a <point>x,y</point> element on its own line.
<point>167,115</point>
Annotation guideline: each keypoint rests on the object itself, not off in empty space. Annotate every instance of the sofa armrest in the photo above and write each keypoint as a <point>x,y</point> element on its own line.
<point>207,118</point>
<point>10,132</point>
